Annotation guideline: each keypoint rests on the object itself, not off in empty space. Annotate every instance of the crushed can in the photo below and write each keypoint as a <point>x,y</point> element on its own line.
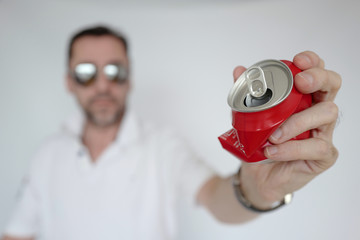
<point>261,99</point>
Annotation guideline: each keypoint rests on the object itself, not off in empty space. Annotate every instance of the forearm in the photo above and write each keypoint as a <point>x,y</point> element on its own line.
<point>219,198</point>
<point>6,237</point>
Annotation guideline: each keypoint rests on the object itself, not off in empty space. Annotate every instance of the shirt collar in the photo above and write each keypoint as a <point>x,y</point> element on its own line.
<point>128,131</point>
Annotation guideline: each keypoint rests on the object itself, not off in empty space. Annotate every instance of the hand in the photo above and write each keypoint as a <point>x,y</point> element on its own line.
<point>297,162</point>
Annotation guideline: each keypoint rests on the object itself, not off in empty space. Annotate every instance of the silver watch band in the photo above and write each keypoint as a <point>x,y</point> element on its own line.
<point>247,204</point>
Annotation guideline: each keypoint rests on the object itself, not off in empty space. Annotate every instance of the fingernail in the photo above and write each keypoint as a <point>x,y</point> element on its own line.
<point>307,77</point>
<point>272,150</point>
<point>307,59</point>
<point>277,134</point>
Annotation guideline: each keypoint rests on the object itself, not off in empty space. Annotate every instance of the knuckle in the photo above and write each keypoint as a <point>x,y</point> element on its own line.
<point>335,154</point>
<point>328,152</point>
<point>332,156</point>
<point>323,148</point>
<point>337,81</point>
<point>323,75</point>
<point>332,110</point>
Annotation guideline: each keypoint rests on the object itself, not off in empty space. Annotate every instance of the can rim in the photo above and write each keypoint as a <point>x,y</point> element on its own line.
<point>239,83</point>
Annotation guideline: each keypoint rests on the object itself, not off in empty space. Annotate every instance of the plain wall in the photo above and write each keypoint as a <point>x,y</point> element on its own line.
<point>183,54</point>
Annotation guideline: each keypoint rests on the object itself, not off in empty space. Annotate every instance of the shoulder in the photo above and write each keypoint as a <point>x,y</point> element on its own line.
<point>55,141</point>
<point>54,145</point>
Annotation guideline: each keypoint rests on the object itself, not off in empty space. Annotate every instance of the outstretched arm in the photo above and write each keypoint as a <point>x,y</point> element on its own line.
<point>16,238</point>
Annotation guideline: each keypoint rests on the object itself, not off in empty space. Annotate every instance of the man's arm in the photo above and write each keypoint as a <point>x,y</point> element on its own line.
<point>16,238</point>
<point>295,163</point>
<point>217,195</point>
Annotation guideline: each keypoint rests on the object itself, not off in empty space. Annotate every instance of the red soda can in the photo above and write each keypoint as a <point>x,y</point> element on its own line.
<point>262,98</point>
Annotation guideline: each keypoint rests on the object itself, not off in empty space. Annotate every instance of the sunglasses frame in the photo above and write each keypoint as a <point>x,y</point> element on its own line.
<point>116,78</point>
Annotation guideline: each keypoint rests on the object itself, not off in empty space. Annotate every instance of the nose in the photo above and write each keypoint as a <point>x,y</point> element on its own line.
<point>102,84</point>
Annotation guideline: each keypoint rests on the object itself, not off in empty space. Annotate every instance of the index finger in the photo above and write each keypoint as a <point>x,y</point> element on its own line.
<point>308,59</point>
<point>323,83</point>
<point>238,71</point>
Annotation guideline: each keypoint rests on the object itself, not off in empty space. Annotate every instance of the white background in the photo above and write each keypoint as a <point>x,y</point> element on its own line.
<point>183,54</point>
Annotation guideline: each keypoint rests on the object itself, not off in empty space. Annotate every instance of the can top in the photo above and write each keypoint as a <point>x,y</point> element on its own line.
<point>262,86</point>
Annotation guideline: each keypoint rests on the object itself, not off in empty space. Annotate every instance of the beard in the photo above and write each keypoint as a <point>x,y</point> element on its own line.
<point>104,116</point>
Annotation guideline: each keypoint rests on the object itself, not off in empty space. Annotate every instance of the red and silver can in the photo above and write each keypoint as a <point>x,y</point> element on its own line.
<point>262,98</point>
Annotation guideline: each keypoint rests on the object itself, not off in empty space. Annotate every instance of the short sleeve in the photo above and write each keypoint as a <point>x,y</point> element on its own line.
<point>23,222</point>
<point>188,171</point>
<point>196,174</point>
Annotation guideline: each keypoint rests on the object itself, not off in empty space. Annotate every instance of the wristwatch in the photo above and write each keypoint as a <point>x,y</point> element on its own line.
<point>247,204</point>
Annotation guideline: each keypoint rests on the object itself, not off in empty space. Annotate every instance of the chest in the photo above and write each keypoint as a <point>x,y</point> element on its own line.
<point>122,191</point>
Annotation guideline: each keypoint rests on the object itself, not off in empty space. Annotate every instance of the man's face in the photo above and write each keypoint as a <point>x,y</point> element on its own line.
<point>103,101</point>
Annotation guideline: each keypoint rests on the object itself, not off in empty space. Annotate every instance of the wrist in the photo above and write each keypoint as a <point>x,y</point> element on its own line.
<point>252,200</point>
<point>257,195</point>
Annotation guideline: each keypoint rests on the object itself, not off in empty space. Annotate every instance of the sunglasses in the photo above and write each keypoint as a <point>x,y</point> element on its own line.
<point>85,73</point>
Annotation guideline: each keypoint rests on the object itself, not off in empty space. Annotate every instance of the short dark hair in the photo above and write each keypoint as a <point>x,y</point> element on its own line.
<point>99,30</point>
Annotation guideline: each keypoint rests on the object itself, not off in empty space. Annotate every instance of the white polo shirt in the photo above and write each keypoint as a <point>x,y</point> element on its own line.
<point>129,193</point>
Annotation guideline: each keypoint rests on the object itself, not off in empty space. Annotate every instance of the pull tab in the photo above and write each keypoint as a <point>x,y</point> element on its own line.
<point>255,79</point>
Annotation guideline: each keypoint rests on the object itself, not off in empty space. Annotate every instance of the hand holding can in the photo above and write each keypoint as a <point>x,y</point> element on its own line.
<point>295,162</point>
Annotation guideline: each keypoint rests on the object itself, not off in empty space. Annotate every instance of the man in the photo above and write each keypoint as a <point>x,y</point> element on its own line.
<point>98,179</point>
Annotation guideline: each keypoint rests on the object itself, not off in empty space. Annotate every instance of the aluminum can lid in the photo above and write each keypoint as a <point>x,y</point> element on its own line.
<point>262,86</point>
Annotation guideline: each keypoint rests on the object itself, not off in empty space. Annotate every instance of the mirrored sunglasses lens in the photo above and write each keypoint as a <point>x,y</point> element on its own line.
<point>111,71</point>
<point>116,73</point>
<point>85,72</point>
